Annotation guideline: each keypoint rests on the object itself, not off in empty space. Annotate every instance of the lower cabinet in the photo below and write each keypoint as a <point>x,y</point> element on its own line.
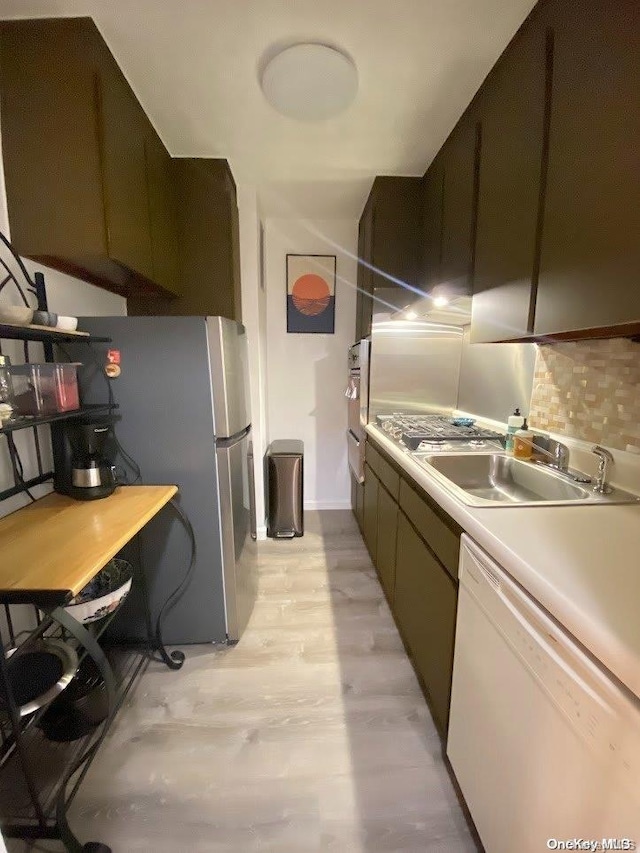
<point>357,500</point>
<point>386,541</point>
<point>370,512</point>
<point>425,603</point>
<point>415,546</point>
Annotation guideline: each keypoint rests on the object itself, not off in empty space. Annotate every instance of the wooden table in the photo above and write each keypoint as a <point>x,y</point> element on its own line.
<point>52,548</point>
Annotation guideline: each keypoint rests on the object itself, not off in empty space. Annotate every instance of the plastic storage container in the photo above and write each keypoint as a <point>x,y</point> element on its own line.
<point>6,386</point>
<point>44,389</point>
<point>67,396</point>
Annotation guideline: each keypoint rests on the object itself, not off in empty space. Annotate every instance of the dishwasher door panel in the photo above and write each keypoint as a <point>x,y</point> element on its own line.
<point>543,744</point>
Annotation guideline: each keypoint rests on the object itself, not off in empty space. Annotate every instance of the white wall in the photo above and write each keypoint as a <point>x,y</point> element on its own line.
<point>254,320</point>
<point>307,374</point>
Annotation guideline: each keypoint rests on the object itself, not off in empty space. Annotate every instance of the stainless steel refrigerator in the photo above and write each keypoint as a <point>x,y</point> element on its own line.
<point>184,417</point>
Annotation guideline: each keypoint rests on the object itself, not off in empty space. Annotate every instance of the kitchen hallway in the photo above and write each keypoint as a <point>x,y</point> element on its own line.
<point>310,735</point>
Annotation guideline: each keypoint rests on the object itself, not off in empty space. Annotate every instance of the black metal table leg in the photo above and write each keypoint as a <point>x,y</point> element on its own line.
<point>176,658</point>
<point>93,649</point>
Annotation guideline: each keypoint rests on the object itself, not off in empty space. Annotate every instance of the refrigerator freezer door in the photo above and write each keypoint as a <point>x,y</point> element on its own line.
<point>227,343</point>
<point>238,547</point>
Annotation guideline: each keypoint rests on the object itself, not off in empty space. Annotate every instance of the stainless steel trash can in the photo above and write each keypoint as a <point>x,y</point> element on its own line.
<point>285,459</point>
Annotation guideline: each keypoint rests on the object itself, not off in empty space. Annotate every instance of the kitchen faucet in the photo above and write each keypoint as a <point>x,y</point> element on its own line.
<point>604,460</point>
<point>555,451</point>
<point>557,455</point>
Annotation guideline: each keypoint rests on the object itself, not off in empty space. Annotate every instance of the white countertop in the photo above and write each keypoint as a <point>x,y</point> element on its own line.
<point>582,563</point>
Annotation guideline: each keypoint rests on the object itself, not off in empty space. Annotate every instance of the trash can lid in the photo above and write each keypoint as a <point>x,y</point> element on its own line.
<point>286,447</point>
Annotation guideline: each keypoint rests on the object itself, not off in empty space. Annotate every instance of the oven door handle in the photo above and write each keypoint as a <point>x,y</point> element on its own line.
<point>352,390</point>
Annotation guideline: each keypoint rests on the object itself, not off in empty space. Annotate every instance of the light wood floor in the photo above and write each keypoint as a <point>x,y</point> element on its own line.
<point>310,735</point>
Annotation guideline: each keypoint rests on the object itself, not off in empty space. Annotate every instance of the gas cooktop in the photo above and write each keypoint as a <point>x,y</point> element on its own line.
<point>438,433</point>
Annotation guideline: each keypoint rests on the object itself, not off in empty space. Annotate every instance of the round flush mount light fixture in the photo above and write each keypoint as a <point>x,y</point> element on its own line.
<point>310,82</point>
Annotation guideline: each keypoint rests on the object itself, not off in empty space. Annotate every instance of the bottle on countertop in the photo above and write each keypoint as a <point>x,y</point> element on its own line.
<point>515,422</point>
<point>523,442</point>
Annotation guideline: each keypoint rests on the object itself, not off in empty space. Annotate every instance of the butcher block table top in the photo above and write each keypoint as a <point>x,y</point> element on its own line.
<point>52,548</point>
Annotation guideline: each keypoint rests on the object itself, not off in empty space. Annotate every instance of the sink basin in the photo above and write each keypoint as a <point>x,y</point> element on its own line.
<point>494,479</point>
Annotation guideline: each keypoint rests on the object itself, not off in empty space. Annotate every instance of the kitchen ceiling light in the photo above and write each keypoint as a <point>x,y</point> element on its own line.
<point>310,82</point>
<point>440,301</point>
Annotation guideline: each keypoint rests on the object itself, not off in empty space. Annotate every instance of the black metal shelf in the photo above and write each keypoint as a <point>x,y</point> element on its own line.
<point>16,808</point>
<point>49,336</point>
<point>23,422</point>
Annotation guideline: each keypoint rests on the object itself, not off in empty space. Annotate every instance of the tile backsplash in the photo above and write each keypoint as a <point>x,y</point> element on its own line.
<point>589,390</point>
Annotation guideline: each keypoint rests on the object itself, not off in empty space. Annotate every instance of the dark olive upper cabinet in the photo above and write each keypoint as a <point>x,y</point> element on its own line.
<point>512,102</point>
<point>73,144</point>
<point>389,243</point>
<point>425,608</point>
<point>460,159</point>
<point>208,238</point>
<point>370,512</point>
<point>208,264</point>
<point>364,299</point>
<point>121,131</point>
<point>590,257</point>
<point>162,213</point>
<point>432,223</point>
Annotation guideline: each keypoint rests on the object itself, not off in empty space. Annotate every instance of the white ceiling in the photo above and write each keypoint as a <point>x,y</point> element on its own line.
<point>195,66</point>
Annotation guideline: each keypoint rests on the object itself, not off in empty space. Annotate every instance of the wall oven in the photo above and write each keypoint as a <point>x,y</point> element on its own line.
<point>357,395</point>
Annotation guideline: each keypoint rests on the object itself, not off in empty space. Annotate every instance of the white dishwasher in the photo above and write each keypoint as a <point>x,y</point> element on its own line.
<point>544,743</point>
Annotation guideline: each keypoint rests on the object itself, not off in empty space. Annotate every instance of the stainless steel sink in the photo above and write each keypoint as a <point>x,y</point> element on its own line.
<point>494,479</point>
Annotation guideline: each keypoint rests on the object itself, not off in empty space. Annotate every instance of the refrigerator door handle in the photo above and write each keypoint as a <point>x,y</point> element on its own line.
<point>233,439</point>
<point>238,557</point>
<point>253,521</point>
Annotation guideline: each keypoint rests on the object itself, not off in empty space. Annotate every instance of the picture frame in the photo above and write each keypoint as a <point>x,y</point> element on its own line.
<point>311,294</point>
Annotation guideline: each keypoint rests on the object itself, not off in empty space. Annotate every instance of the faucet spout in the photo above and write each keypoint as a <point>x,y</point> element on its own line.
<point>556,454</point>
<point>605,459</point>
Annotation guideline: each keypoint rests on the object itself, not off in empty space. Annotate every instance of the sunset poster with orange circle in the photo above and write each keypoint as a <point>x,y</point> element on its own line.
<point>311,294</point>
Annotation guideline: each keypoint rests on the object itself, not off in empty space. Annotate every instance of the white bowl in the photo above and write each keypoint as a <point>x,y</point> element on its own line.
<point>92,609</point>
<point>18,315</point>
<point>69,324</point>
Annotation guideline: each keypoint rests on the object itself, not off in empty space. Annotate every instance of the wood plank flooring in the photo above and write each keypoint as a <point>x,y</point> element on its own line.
<point>310,735</point>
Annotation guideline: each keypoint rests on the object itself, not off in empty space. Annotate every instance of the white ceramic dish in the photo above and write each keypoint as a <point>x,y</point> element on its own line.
<point>86,609</point>
<point>17,315</point>
<point>67,324</point>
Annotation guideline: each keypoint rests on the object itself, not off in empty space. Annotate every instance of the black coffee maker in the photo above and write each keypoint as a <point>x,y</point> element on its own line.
<point>91,474</point>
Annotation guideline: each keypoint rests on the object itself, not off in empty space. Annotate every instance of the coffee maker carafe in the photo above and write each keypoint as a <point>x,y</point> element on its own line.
<point>92,473</point>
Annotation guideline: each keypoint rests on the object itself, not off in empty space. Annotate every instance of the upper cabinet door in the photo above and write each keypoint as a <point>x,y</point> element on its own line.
<point>122,137</point>
<point>49,144</point>
<point>366,273</point>
<point>432,223</point>
<point>162,213</point>
<point>590,258</point>
<point>461,153</point>
<point>513,117</point>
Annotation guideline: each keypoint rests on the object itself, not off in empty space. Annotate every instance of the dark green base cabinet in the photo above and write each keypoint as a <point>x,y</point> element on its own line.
<point>370,515</point>
<point>415,548</point>
<point>357,501</point>
<point>387,535</point>
<point>425,602</point>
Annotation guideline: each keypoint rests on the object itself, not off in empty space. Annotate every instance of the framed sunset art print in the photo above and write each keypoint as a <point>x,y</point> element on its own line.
<point>311,294</point>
